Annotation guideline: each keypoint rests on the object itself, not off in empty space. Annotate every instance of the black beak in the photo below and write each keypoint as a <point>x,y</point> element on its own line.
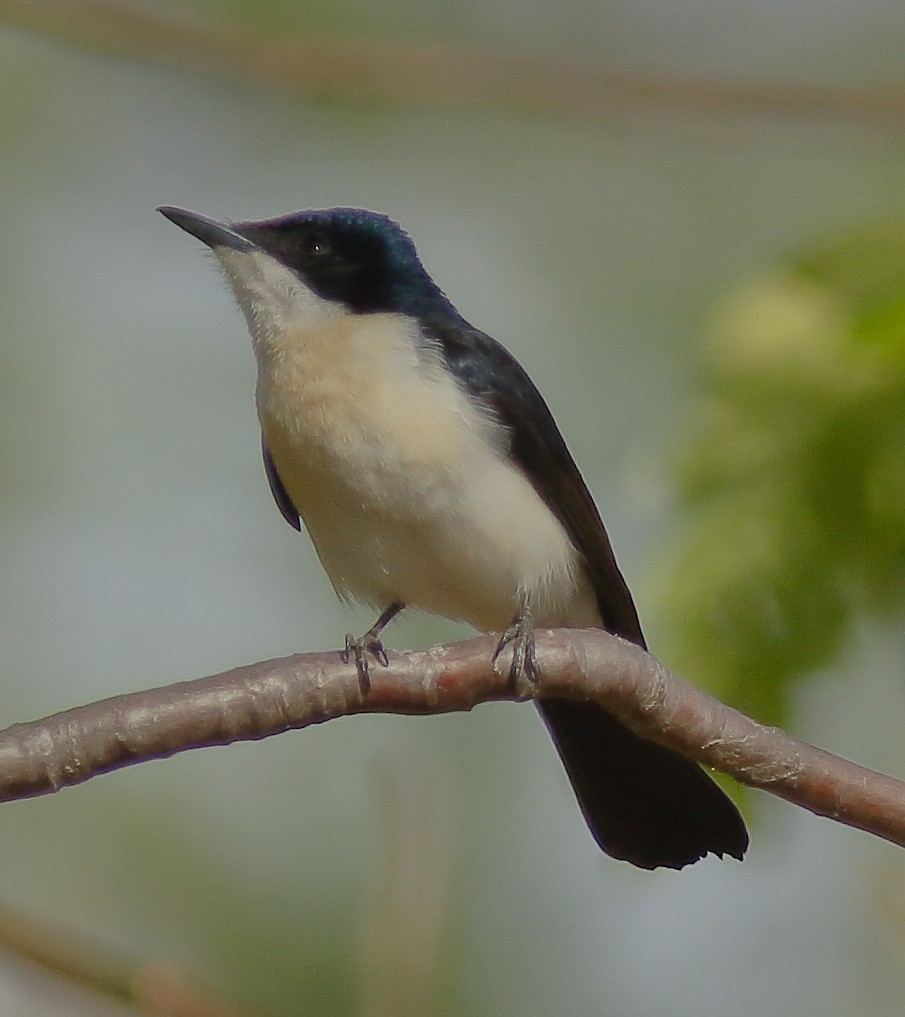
<point>208,231</point>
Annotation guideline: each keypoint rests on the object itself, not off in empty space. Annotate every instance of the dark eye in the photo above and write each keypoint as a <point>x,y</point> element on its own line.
<point>315,245</point>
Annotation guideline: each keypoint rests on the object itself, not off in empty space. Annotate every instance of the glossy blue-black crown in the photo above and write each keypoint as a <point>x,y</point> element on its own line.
<point>362,259</point>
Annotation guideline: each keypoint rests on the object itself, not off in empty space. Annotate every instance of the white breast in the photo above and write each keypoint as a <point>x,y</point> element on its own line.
<point>402,483</point>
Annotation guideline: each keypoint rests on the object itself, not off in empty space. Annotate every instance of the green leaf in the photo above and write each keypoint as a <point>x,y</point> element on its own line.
<point>792,488</point>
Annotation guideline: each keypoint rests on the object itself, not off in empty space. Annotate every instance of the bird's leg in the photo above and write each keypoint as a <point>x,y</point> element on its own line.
<point>370,643</point>
<point>524,657</point>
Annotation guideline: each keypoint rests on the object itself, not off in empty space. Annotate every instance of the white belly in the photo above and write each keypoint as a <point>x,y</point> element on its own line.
<point>403,485</point>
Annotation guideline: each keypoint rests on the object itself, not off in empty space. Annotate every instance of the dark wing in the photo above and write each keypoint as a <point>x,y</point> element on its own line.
<point>280,494</point>
<point>643,802</point>
<point>489,372</point>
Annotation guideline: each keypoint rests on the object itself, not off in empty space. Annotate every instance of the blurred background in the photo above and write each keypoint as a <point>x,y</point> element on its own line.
<point>686,220</point>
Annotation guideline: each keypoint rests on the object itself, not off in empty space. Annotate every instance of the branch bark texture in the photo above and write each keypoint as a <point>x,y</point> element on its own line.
<point>268,698</point>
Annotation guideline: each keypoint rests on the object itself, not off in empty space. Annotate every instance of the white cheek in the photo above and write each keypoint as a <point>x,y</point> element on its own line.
<point>271,296</point>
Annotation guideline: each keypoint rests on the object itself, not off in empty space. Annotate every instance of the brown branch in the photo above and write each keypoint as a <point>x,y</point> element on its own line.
<point>156,989</point>
<point>267,698</point>
<point>412,73</point>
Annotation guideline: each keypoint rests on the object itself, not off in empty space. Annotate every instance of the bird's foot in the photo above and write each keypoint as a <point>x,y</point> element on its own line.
<point>359,649</point>
<point>520,635</point>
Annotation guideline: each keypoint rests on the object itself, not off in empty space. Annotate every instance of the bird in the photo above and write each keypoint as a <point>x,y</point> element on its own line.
<point>429,473</point>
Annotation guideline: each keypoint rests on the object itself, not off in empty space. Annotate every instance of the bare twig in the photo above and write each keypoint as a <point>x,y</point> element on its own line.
<point>265,699</point>
<point>432,73</point>
<point>155,989</point>
<point>408,909</point>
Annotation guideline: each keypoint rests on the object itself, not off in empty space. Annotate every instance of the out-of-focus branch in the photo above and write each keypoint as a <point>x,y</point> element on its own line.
<point>155,989</point>
<point>267,698</point>
<point>406,921</point>
<point>416,73</point>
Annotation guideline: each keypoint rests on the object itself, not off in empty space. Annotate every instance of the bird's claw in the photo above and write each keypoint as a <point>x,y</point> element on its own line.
<point>524,655</point>
<point>359,648</point>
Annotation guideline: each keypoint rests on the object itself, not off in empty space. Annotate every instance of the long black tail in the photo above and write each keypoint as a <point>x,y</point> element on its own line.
<point>644,803</point>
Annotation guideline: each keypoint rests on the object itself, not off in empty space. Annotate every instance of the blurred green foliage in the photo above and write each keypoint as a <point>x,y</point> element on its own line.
<point>794,482</point>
